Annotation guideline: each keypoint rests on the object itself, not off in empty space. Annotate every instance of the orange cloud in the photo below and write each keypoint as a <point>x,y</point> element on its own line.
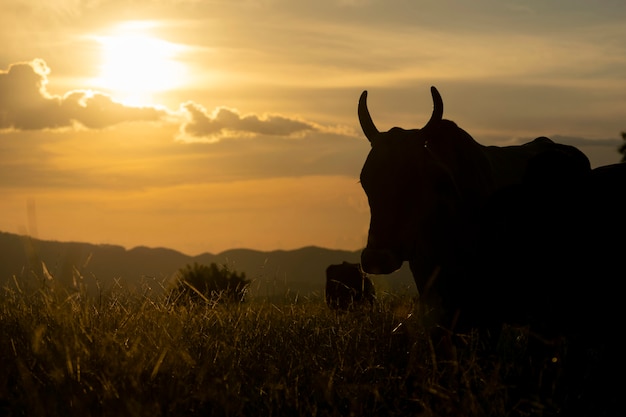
<point>223,122</point>
<point>25,103</point>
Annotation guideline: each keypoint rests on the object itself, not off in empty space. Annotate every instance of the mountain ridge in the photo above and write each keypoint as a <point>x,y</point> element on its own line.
<point>102,266</point>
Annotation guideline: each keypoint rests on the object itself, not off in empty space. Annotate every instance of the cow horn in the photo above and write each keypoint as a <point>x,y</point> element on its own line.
<point>367,124</point>
<point>437,108</point>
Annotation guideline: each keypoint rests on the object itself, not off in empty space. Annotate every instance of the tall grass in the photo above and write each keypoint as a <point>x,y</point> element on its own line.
<point>126,354</point>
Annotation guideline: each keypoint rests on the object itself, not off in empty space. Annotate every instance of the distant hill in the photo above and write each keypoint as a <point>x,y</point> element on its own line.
<point>301,271</point>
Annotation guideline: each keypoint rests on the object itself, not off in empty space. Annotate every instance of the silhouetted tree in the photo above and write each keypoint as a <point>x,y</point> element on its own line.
<point>211,284</point>
<point>622,148</point>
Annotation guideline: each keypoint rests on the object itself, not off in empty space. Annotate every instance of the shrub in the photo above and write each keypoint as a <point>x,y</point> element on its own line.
<point>211,284</point>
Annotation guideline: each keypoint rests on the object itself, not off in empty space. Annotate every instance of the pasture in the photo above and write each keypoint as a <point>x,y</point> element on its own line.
<point>124,353</point>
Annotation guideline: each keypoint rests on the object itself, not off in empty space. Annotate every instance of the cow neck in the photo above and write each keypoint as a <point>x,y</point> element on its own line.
<point>463,198</point>
<point>443,166</point>
<point>508,164</point>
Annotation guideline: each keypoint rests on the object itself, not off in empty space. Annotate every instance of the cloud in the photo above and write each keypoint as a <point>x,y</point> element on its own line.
<point>201,126</point>
<point>25,103</point>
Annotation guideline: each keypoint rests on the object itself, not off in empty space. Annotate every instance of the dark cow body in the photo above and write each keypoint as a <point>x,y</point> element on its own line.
<point>544,255</point>
<point>347,287</point>
<point>526,235</point>
<point>556,261</point>
<point>428,189</point>
<point>560,248</point>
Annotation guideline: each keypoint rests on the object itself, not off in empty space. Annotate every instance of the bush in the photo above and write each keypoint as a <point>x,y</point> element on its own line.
<point>211,284</point>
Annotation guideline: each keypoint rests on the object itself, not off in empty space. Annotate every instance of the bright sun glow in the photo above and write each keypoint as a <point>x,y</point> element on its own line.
<point>135,66</point>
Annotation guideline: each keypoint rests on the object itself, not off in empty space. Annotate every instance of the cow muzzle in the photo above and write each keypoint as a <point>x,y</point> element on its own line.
<point>380,261</point>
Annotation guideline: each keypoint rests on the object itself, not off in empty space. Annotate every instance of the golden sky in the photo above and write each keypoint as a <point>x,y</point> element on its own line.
<point>209,125</point>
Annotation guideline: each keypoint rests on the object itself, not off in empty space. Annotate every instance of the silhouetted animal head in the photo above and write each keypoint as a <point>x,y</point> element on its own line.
<point>418,183</point>
<point>347,286</point>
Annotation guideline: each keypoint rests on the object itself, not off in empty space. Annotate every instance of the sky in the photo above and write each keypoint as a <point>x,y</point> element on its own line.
<point>203,126</point>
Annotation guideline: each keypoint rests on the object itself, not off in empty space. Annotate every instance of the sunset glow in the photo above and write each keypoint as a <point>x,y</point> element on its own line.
<point>135,66</point>
<point>203,126</point>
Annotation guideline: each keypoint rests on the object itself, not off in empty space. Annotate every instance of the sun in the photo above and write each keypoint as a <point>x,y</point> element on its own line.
<point>135,66</point>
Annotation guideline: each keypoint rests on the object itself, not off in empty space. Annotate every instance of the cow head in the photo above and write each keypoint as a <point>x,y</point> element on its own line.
<point>348,287</point>
<point>420,184</point>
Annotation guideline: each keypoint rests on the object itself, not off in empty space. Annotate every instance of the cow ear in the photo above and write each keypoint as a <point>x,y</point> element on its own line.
<point>437,115</point>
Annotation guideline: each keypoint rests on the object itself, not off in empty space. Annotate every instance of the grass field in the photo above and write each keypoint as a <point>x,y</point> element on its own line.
<point>127,354</point>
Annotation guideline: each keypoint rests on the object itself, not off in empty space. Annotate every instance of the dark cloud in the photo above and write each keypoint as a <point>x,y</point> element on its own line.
<point>202,126</point>
<point>25,104</point>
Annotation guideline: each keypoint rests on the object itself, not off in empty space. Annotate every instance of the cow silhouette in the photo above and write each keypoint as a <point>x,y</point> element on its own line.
<point>427,189</point>
<point>526,234</point>
<point>348,287</point>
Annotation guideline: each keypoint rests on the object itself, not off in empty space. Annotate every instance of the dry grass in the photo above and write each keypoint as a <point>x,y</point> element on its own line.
<point>125,354</point>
